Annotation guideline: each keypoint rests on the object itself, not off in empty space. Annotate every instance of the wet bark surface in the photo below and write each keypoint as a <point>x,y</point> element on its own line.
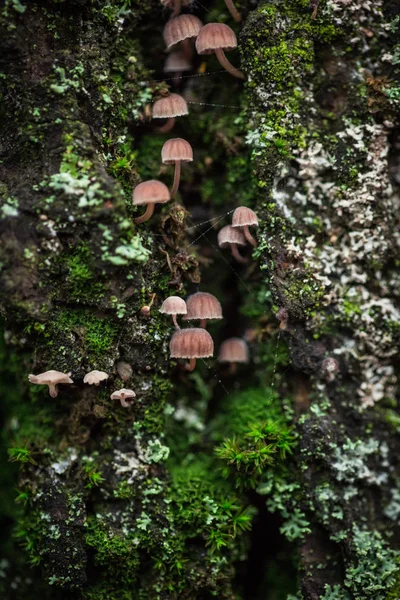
<point>279,480</point>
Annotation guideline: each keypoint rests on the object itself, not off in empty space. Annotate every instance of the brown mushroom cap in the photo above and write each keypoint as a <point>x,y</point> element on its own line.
<point>243,216</point>
<point>151,192</point>
<point>202,306</point>
<point>214,36</point>
<point>181,28</point>
<point>234,350</point>
<point>170,106</point>
<point>95,377</point>
<point>191,343</point>
<point>176,149</point>
<point>177,61</point>
<point>173,306</point>
<point>230,235</point>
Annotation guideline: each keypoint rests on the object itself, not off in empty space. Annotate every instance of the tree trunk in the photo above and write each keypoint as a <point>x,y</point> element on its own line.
<point>278,481</point>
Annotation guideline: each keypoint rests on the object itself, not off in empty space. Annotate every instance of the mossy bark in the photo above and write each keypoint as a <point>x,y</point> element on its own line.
<point>157,500</point>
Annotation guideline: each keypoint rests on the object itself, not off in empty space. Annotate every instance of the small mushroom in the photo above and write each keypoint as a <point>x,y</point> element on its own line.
<point>233,237</point>
<point>233,351</point>
<point>330,367</point>
<point>191,343</point>
<point>244,217</point>
<point>235,14</point>
<point>170,107</point>
<point>122,395</point>
<point>174,306</point>
<point>95,377</point>
<point>182,29</point>
<point>283,317</point>
<point>52,379</point>
<point>217,37</point>
<point>202,306</point>
<point>177,62</point>
<point>151,193</point>
<point>176,151</point>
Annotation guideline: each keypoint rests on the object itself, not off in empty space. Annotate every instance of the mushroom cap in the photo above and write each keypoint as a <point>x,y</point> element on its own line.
<point>181,28</point>
<point>176,61</point>
<point>94,377</point>
<point>150,192</point>
<point>214,36</point>
<point>243,216</point>
<point>234,350</point>
<point>170,106</point>
<point>173,306</point>
<point>122,393</point>
<point>202,306</point>
<point>176,149</point>
<point>191,343</point>
<point>50,378</point>
<point>230,235</point>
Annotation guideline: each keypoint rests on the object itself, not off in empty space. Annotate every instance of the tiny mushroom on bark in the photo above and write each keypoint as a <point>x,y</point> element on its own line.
<point>234,350</point>
<point>217,37</point>
<point>283,317</point>
<point>168,108</point>
<point>330,367</point>
<point>176,151</point>
<point>233,237</point>
<point>174,306</point>
<point>182,29</point>
<point>202,306</point>
<point>235,14</point>
<point>122,396</point>
<point>95,377</point>
<point>244,217</point>
<point>151,193</point>
<point>51,379</point>
<point>191,343</point>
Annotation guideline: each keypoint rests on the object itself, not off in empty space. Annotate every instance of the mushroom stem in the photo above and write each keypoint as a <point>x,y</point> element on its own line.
<point>167,127</point>
<point>146,215</point>
<point>232,368</point>
<point>314,4</point>
<point>236,16</point>
<point>224,62</point>
<point>177,178</point>
<point>53,390</point>
<point>177,8</point>
<point>175,322</point>
<point>188,49</point>
<point>191,365</point>
<point>236,254</point>
<point>203,323</point>
<point>248,236</point>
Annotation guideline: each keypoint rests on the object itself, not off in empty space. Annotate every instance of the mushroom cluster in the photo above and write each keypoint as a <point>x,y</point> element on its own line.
<point>196,342</point>
<point>183,34</point>
<point>238,234</point>
<point>54,378</point>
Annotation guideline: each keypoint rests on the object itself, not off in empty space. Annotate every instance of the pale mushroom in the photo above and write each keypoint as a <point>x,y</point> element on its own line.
<point>122,396</point>
<point>51,379</point>
<point>95,377</point>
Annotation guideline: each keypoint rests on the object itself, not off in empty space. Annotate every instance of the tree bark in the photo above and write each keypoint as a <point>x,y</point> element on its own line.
<point>280,481</point>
